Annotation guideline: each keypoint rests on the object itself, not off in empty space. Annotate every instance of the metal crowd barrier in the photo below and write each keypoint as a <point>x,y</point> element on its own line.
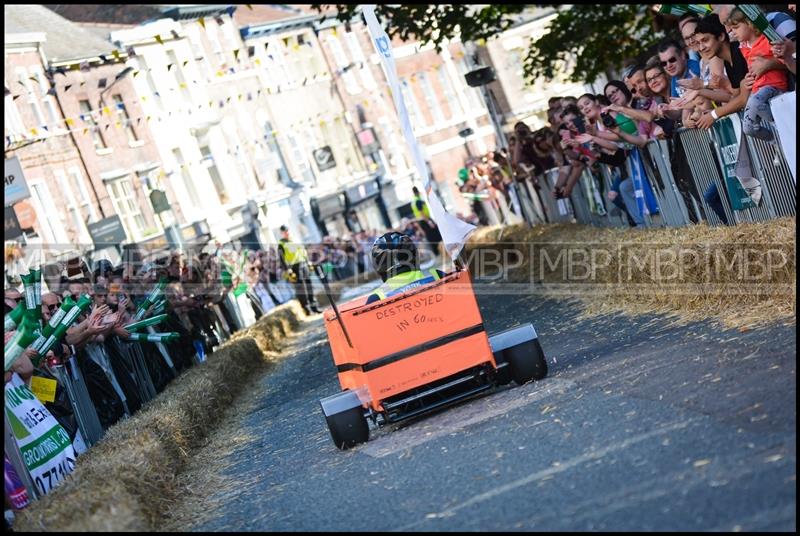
<point>673,209</point>
<point>534,202</point>
<point>164,353</point>
<point>702,157</point>
<point>558,210</point>
<point>134,361</point>
<point>616,218</point>
<point>70,376</point>
<point>98,354</point>
<point>778,189</point>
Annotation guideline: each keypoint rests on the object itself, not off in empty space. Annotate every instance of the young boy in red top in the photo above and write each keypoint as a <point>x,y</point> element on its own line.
<point>770,75</point>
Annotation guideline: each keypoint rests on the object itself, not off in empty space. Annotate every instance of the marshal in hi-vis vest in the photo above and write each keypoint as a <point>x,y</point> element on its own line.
<point>405,281</point>
<point>420,213</point>
<point>293,253</point>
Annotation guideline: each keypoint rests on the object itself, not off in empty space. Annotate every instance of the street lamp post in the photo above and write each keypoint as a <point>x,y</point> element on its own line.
<point>119,76</point>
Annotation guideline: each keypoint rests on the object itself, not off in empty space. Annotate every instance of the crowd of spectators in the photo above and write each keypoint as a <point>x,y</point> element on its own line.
<point>716,65</point>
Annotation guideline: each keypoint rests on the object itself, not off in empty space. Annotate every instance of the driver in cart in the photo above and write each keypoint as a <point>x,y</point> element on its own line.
<point>395,258</point>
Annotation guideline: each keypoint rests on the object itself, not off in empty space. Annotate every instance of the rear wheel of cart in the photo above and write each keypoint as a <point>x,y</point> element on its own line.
<point>348,428</point>
<point>527,361</point>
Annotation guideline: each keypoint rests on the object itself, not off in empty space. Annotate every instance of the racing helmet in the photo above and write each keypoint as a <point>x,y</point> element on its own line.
<point>394,253</point>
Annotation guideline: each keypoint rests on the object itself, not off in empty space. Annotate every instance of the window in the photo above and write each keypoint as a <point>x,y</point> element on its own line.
<point>180,80</point>
<point>86,201</point>
<point>357,53</point>
<point>213,172</point>
<point>216,47</point>
<point>272,60</point>
<point>151,85</point>
<point>449,93</point>
<point>345,138</point>
<point>187,179</point>
<point>430,98</point>
<point>397,156</point>
<point>12,121</point>
<point>342,63</point>
<point>49,103</point>
<point>414,113</point>
<point>48,216</point>
<point>295,61</point>
<point>299,158</point>
<point>197,50</point>
<point>123,197</point>
<point>75,218</point>
<point>33,101</point>
<point>124,118</point>
<point>87,115</point>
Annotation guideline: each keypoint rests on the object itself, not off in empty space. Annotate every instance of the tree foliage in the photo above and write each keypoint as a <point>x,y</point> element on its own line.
<point>591,39</point>
<point>581,41</point>
<point>435,23</point>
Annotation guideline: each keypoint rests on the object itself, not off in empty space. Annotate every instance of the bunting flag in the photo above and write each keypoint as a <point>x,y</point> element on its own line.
<point>159,40</point>
<point>453,230</point>
<point>202,22</point>
<point>101,83</point>
<point>66,88</point>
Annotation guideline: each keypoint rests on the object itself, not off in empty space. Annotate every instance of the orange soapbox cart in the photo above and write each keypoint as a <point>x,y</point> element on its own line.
<point>421,350</point>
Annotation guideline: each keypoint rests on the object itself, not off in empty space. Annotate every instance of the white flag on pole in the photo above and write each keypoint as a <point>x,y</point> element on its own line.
<point>454,231</point>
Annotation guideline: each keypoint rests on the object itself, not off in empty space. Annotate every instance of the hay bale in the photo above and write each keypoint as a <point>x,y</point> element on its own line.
<point>716,283</point>
<point>127,481</point>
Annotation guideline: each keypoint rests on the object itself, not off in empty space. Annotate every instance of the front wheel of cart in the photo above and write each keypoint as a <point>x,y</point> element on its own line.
<point>348,428</point>
<point>527,361</point>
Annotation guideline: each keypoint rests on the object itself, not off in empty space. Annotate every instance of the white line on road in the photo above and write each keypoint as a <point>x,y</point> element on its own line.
<point>561,467</point>
<point>468,414</point>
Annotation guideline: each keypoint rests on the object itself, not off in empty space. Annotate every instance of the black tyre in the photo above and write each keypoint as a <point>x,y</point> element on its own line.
<point>348,428</point>
<point>526,361</point>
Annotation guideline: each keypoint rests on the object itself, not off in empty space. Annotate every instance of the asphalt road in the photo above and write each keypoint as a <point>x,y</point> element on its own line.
<point>641,424</point>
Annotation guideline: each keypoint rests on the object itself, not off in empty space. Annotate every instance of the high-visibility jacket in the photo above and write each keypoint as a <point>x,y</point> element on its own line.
<point>292,253</point>
<point>420,213</point>
<point>403,282</point>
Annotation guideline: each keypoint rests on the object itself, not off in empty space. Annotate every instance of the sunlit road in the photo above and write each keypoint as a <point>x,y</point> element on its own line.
<point>640,425</point>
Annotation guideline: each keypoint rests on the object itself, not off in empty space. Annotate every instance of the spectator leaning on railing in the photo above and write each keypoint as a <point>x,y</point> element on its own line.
<point>769,75</point>
<point>714,40</point>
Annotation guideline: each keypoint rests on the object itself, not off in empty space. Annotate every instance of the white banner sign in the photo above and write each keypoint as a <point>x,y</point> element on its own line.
<point>784,110</point>
<point>43,443</point>
<point>454,231</point>
<point>16,188</point>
